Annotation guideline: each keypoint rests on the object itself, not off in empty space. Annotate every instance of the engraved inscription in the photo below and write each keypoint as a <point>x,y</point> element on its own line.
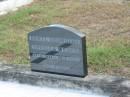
<point>53,39</point>
<point>52,57</point>
<point>49,48</point>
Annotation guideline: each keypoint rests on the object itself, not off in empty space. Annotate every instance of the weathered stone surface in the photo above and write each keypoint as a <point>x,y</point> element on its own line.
<point>58,49</point>
<point>113,86</point>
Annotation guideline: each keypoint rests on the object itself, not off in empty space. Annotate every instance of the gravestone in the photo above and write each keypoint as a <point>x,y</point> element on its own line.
<point>58,49</point>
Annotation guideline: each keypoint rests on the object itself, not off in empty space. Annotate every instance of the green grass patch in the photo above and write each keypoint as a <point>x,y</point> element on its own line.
<point>108,58</point>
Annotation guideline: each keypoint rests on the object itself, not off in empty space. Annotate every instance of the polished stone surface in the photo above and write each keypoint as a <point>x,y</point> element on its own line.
<point>58,49</point>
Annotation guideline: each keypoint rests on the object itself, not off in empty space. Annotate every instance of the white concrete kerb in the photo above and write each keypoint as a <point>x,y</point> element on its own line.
<point>12,5</point>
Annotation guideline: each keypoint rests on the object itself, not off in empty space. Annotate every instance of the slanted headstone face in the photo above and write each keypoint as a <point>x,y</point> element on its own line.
<point>58,49</point>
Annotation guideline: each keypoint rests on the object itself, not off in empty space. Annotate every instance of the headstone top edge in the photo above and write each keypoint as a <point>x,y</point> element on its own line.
<point>63,27</point>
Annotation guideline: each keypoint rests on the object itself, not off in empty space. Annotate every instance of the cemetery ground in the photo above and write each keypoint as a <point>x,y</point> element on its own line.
<point>106,25</point>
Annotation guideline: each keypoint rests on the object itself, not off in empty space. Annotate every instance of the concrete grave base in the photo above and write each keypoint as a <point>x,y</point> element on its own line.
<point>102,84</point>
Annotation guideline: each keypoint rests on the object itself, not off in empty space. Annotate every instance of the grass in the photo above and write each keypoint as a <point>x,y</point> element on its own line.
<point>106,25</point>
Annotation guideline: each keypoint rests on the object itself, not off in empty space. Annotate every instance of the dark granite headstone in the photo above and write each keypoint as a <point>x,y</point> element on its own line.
<point>58,49</point>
